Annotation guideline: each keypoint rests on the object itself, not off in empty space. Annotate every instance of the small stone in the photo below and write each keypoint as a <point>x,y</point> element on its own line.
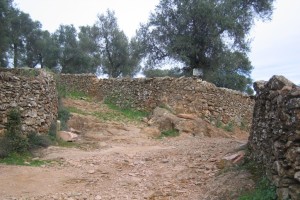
<point>164,161</point>
<point>131,174</point>
<point>103,144</point>
<point>91,171</point>
<point>297,176</point>
<point>98,197</point>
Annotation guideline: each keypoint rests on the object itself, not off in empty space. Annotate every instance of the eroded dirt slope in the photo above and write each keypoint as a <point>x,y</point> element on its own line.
<point>117,160</point>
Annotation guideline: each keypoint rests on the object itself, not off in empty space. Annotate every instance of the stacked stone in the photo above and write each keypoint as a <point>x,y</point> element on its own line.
<point>34,95</point>
<point>183,95</point>
<point>275,135</point>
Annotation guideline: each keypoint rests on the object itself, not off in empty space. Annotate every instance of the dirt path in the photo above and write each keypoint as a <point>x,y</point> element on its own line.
<point>118,161</point>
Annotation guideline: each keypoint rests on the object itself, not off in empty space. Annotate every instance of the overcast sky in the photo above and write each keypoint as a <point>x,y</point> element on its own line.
<point>275,47</point>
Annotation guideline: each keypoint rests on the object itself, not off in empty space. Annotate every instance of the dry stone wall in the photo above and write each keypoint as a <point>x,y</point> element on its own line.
<point>183,95</point>
<point>275,135</point>
<point>34,93</point>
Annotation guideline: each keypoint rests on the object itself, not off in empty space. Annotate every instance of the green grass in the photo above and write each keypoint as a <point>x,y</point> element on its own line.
<point>116,114</point>
<point>264,189</point>
<point>129,113</point>
<point>22,159</point>
<point>75,94</point>
<point>62,143</point>
<point>229,127</point>
<point>169,133</point>
<point>76,110</point>
<point>29,72</point>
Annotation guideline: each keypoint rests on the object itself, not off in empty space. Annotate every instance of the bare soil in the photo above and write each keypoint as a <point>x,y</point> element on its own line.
<point>116,160</point>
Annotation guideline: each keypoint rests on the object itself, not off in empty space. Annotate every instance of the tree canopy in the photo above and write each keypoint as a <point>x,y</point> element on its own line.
<point>100,47</point>
<point>211,35</point>
<point>206,34</point>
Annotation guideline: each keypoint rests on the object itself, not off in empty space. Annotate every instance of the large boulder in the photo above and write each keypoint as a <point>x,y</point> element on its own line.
<point>164,120</point>
<point>67,136</point>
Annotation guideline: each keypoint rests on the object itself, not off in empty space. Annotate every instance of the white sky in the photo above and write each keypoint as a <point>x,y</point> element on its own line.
<point>275,47</point>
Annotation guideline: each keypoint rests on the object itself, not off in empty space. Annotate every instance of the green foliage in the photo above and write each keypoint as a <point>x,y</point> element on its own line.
<point>52,131</point>
<point>123,112</point>
<point>210,35</point>
<point>28,72</point>
<point>264,189</point>
<point>63,113</point>
<point>4,147</point>
<point>14,140</point>
<point>73,58</point>
<point>243,126</point>
<point>37,141</point>
<point>61,90</point>
<point>76,110</point>
<point>117,101</point>
<point>219,123</point>
<point>126,109</point>
<point>169,133</point>
<point>63,116</point>
<point>119,57</point>
<point>22,159</point>
<point>229,127</point>
<point>15,146</point>
<point>76,94</point>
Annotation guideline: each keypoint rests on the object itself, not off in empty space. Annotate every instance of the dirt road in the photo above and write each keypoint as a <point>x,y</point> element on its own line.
<point>116,160</point>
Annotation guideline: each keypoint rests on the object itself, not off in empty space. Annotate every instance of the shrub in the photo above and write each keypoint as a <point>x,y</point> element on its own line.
<point>63,116</point>
<point>264,189</point>
<point>4,147</point>
<point>37,141</point>
<point>52,130</point>
<point>14,139</point>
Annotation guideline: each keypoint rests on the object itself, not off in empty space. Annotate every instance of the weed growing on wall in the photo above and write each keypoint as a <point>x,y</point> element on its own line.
<point>29,72</point>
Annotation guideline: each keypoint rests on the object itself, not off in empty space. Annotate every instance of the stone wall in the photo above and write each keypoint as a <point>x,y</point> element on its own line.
<point>275,135</point>
<point>34,93</point>
<point>183,95</point>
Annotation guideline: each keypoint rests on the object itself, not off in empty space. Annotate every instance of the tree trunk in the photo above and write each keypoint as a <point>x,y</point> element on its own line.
<point>16,55</point>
